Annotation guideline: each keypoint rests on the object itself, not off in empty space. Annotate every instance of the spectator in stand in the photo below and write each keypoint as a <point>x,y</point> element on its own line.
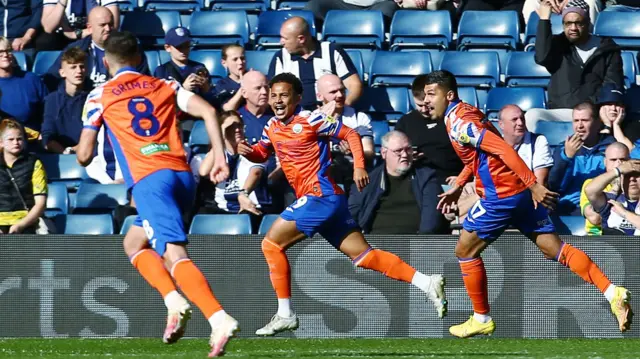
<point>99,26</point>
<point>23,182</point>
<point>331,88</point>
<point>620,212</point>
<point>496,5</point>
<point>387,205</point>
<point>21,93</point>
<point>320,8</point>
<point>66,20</point>
<point>579,158</point>
<point>21,22</point>
<point>104,167</point>
<point>63,108</point>
<point>432,147</point>
<point>308,59</point>
<point>578,61</point>
<point>256,112</point>
<point>558,5</point>
<point>615,154</point>
<point>228,88</point>
<point>613,114</point>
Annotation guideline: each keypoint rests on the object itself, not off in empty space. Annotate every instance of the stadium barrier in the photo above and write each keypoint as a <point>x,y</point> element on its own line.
<point>83,286</point>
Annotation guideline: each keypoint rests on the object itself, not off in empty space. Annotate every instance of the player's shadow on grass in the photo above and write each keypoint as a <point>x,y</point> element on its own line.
<point>391,355</point>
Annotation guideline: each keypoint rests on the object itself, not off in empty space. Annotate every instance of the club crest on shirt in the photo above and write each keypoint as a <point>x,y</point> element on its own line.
<point>464,138</point>
<point>297,128</point>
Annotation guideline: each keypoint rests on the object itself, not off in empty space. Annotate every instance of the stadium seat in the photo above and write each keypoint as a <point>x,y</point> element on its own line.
<point>532,28</point>
<point>468,95</point>
<point>556,132</point>
<point>629,68</point>
<point>384,103</point>
<point>398,68</point>
<point>569,225</point>
<point>269,23</point>
<point>354,28</point>
<point>631,100</point>
<point>170,5</point>
<point>253,6</point>
<point>379,129</point>
<point>43,61</point>
<point>234,31</point>
<point>127,5</point>
<point>291,4</point>
<point>259,60</point>
<point>87,224</point>
<point>199,138</point>
<point>477,69</point>
<point>20,60</point>
<point>522,70</point>
<point>221,224</point>
<point>621,27</point>
<point>488,30</point>
<point>211,60</point>
<point>150,27</point>
<point>57,200</point>
<point>64,169</point>
<point>412,29</point>
<point>356,58</point>
<point>525,97</point>
<point>128,222</point>
<point>267,222</point>
<point>153,60</point>
<point>96,198</point>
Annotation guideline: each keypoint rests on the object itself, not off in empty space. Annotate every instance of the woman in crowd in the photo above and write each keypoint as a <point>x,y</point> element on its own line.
<point>228,88</point>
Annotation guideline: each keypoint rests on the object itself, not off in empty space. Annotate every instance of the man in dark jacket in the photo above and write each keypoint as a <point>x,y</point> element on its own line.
<point>579,62</point>
<point>400,199</point>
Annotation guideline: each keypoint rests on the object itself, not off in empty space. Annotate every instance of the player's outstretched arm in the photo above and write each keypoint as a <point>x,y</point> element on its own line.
<point>257,153</point>
<point>86,146</point>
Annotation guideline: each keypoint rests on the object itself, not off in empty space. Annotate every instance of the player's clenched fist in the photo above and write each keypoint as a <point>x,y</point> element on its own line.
<point>220,171</point>
<point>541,195</point>
<point>360,178</point>
<point>244,148</point>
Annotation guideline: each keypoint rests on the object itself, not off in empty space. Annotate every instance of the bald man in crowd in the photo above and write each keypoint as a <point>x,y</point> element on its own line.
<point>308,59</point>
<point>255,112</point>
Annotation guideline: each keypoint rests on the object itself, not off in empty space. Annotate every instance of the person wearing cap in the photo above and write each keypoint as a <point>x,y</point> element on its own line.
<point>612,113</point>
<point>579,62</point>
<point>595,7</point>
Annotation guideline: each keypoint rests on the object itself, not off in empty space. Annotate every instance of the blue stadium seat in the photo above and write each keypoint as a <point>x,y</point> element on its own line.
<point>488,30</point>
<point>20,60</point>
<point>259,60</point>
<point>211,60</point>
<point>291,4</point>
<point>379,129</point>
<point>522,70</point>
<point>398,68</point>
<point>384,103</point>
<point>198,139</point>
<point>221,224</point>
<point>267,222</point>
<point>128,222</point>
<point>556,132</point>
<point>532,28</point>
<point>150,27</point>
<point>127,5</point>
<point>44,60</point>
<point>412,29</point>
<point>171,5</point>
<point>569,225</point>
<point>269,23</point>
<point>64,169</point>
<point>356,58</point>
<point>354,28</point>
<point>87,224</point>
<point>253,6</point>
<point>95,198</point>
<point>629,68</point>
<point>153,60</point>
<point>234,31</point>
<point>477,69</point>
<point>621,27</point>
<point>631,100</point>
<point>57,200</point>
<point>468,95</point>
<point>525,97</point>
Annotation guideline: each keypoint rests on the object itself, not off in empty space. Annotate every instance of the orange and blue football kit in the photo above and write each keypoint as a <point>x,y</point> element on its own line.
<point>502,178</point>
<point>139,115</point>
<point>302,144</point>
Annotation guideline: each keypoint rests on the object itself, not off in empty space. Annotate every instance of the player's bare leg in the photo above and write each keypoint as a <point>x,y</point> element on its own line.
<point>152,268</point>
<point>363,255</point>
<point>468,250</point>
<point>282,235</point>
<point>195,286</point>
<point>553,248</point>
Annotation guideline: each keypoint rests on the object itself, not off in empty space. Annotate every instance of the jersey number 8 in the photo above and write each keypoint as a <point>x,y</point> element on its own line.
<point>144,123</point>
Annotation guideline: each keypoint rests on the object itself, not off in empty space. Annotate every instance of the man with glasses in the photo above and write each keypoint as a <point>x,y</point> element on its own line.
<point>579,62</point>
<point>386,205</point>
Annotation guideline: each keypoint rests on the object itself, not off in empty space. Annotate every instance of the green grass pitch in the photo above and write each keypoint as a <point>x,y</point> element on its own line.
<point>324,348</point>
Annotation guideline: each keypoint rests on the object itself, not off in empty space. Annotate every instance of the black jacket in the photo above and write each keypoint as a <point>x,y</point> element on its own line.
<point>426,188</point>
<point>573,81</point>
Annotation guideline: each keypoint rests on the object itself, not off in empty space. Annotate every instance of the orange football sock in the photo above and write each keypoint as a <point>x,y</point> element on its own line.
<point>152,269</point>
<point>474,277</point>
<point>195,286</point>
<point>386,263</point>
<point>279,269</point>
<point>580,264</point>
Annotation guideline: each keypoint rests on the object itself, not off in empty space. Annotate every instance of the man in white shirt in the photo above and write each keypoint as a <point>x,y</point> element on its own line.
<point>104,167</point>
